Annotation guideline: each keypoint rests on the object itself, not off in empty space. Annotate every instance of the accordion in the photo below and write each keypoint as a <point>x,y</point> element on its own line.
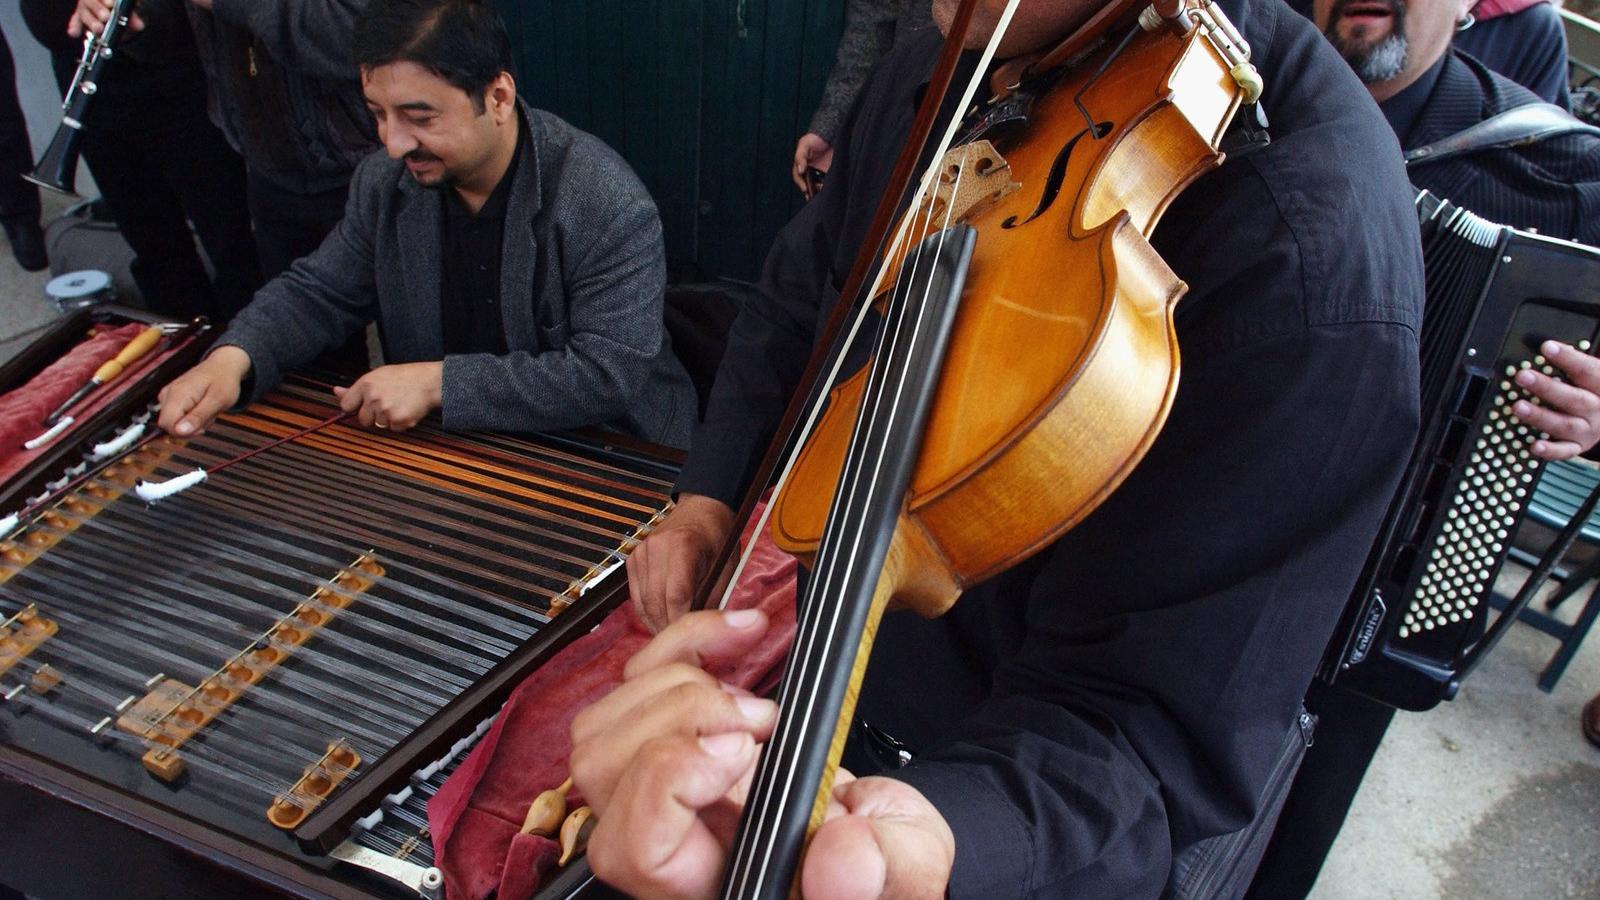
<point>1417,621</point>
<point>258,683</point>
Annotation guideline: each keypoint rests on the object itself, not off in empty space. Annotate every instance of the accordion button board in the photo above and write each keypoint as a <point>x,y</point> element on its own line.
<point>1494,295</point>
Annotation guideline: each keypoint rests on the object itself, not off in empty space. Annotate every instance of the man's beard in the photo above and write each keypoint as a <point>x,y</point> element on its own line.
<point>448,179</point>
<point>1372,62</point>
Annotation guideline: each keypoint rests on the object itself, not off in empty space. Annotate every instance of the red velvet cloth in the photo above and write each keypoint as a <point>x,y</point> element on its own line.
<point>22,411</point>
<point>1491,9</point>
<point>476,816</point>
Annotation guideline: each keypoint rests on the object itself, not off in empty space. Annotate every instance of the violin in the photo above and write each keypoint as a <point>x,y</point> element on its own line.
<point>1025,363</point>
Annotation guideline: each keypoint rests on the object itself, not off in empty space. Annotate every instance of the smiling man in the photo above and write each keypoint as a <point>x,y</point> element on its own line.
<point>513,263</point>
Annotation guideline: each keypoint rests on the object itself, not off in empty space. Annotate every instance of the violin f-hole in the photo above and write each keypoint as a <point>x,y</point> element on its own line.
<point>1058,173</point>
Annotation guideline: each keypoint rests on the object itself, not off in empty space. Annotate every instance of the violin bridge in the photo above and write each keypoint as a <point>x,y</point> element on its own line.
<point>53,526</point>
<point>21,634</point>
<point>173,712</point>
<point>970,176</point>
<point>317,781</point>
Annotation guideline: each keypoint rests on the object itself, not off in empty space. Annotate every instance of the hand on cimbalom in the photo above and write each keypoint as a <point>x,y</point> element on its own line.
<point>664,570</point>
<point>666,759</point>
<point>1571,411</point>
<point>91,16</point>
<point>810,152</point>
<point>193,399</point>
<point>394,397</point>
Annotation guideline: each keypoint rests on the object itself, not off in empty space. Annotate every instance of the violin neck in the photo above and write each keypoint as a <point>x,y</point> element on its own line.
<point>850,584</point>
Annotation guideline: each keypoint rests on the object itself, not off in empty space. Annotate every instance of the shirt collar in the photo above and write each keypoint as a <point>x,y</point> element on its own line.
<point>500,197</point>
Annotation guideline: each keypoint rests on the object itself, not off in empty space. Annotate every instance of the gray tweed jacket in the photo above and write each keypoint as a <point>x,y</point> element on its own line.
<point>581,290</point>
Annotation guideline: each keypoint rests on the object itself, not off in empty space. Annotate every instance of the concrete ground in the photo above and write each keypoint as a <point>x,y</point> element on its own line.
<point>1494,795</point>
<point>22,302</point>
<point>23,307</point>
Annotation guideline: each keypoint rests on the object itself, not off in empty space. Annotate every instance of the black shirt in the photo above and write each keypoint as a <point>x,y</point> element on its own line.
<point>1125,694</point>
<point>469,291</point>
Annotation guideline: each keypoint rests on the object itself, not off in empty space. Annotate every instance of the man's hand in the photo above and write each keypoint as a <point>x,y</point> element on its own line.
<point>879,838</point>
<point>91,17</point>
<point>666,759</point>
<point>810,152</point>
<point>1570,413</point>
<point>394,397</point>
<point>664,570</point>
<point>194,398</point>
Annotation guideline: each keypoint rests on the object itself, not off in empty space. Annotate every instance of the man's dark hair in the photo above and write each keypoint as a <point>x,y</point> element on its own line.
<point>462,41</point>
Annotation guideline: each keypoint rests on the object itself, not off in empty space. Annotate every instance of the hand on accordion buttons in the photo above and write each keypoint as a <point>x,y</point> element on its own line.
<point>1570,410</point>
<point>394,397</point>
<point>666,759</point>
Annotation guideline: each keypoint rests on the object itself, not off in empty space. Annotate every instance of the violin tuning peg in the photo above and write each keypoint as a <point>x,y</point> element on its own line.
<point>547,810</point>
<point>575,833</point>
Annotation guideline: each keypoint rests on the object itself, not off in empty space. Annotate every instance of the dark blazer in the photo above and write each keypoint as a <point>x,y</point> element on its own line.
<point>1552,186</point>
<point>581,285</point>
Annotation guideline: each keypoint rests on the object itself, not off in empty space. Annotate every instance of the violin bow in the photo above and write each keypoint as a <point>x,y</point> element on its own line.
<point>900,181</point>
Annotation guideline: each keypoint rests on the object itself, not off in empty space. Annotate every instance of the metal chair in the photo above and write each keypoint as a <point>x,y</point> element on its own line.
<point>1566,490</point>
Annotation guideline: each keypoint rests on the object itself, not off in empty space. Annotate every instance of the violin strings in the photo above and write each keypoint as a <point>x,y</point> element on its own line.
<point>767,803</point>
<point>761,815</point>
<point>896,245</point>
<point>858,490</point>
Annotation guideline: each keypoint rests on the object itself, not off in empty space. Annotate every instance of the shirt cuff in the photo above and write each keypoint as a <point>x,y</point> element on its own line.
<point>263,375</point>
<point>993,844</point>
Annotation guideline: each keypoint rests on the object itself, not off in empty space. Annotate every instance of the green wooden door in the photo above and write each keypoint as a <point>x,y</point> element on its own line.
<point>704,98</point>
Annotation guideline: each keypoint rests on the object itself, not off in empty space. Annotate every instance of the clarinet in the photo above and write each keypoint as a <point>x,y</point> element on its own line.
<point>58,167</point>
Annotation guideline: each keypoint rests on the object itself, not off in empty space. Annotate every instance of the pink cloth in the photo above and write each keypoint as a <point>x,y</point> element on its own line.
<point>476,816</point>
<point>22,411</point>
<point>1493,9</point>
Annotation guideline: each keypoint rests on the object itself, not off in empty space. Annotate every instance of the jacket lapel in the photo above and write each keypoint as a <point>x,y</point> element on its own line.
<point>1456,103</point>
<point>417,333</point>
<point>518,249</point>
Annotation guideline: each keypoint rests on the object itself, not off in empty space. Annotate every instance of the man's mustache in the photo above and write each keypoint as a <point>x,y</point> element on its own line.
<point>420,156</point>
<point>1397,8</point>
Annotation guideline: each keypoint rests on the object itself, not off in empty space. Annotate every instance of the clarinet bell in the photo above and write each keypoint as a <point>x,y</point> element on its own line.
<point>58,167</point>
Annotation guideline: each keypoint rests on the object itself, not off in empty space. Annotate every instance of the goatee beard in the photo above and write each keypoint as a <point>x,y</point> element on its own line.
<point>447,180</point>
<point>1372,62</point>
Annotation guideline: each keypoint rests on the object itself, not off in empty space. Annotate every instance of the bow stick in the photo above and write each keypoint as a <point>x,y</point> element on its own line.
<point>151,491</point>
